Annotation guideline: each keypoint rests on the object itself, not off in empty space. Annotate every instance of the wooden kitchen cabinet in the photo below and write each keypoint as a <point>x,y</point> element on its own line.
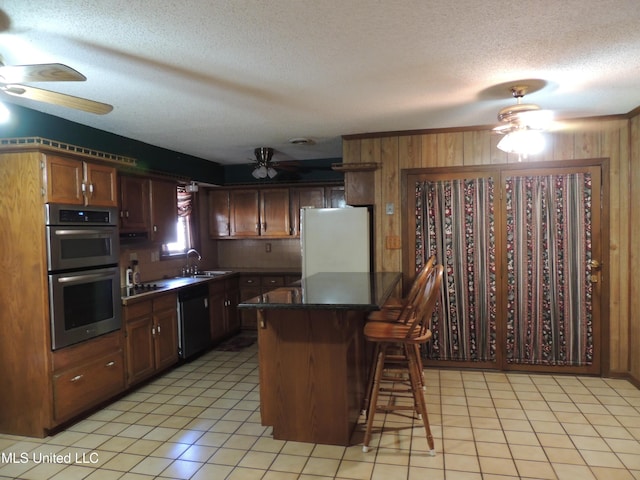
<point>304,197</point>
<point>76,182</point>
<point>134,204</point>
<point>224,296</point>
<point>164,211</point>
<point>274,213</point>
<point>87,374</point>
<point>334,197</point>
<point>149,205</point>
<point>151,331</point>
<point>266,212</point>
<point>252,285</point>
<point>218,201</point>
<point>244,213</point>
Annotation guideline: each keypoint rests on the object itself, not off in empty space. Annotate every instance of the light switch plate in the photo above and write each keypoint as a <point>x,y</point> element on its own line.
<point>389,208</point>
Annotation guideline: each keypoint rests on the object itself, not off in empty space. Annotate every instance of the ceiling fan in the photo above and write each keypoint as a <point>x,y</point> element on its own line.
<point>12,77</point>
<point>264,166</point>
<point>522,124</point>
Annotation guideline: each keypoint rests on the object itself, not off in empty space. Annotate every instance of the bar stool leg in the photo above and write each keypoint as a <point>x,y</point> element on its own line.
<point>372,371</point>
<point>379,367</point>
<point>419,396</point>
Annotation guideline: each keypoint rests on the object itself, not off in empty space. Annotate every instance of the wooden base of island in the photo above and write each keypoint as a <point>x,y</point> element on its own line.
<point>312,373</point>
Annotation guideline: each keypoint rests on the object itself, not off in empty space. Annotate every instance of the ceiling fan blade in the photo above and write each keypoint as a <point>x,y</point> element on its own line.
<point>44,72</point>
<point>62,99</point>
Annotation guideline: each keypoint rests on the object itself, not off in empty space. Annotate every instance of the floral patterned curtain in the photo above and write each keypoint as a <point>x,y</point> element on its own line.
<point>455,221</point>
<point>549,317</point>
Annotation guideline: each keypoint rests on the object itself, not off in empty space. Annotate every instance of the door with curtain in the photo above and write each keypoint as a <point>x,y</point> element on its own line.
<point>521,249</point>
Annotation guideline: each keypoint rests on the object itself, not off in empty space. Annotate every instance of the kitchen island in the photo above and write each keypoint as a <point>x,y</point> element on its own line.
<point>312,353</point>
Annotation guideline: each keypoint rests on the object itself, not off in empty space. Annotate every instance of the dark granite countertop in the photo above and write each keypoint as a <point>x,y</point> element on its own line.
<point>331,291</point>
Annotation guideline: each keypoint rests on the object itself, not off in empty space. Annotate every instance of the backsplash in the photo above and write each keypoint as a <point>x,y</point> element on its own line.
<point>263,253</point>
<point>221,254</point>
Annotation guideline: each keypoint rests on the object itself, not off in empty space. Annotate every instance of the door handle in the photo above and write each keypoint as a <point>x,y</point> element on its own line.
<point>595,264</point>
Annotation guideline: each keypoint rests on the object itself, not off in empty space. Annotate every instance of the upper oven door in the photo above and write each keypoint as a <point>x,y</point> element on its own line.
<point>72,247</point>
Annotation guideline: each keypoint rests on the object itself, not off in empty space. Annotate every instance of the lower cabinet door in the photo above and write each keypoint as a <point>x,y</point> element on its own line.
<point>140,349</point>
<point>79,388</point>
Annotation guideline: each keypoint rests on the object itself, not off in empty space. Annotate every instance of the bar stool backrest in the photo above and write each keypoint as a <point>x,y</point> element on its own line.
<point>423,308</point>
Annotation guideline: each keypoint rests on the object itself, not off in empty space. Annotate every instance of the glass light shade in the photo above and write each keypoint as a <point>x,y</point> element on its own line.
<point>260,172</point>
<point>271,172</point>
<point>522,142</point>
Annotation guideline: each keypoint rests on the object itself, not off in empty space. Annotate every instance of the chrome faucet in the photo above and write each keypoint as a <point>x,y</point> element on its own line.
<point>188,268</point>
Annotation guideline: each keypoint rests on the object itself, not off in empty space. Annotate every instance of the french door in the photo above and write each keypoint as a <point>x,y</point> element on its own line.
<point>521,247</point>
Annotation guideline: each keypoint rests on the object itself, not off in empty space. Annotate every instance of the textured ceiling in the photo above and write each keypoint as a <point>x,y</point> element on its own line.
<point>216,79</point>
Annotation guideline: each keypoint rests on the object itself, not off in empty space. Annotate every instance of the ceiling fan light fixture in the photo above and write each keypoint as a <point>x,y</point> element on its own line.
<point>260,172</point>
<point>523,142</point>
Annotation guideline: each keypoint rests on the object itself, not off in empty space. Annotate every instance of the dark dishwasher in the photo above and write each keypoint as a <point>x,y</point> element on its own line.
<point>194,328</point>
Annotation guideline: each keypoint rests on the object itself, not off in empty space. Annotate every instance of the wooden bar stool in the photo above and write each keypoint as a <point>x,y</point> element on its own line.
<point>408,335</point>
<point>398,310</point>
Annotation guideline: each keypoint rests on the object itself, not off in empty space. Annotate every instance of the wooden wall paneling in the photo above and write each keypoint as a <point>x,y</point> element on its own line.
<point>370,153</point>
<point>587,143</point>
<point>351,151</point>
<point>389,157</point>
<point>634,252</point>
<point>613,143</point>
<point>429,151</point>
<point>409,151</point>
<point>450,149</point>
<point>476,148</point>
<point>563,145</point>
<point>497,155</point>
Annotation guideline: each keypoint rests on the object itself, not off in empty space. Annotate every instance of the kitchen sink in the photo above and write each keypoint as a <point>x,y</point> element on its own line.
<point>210,273</point>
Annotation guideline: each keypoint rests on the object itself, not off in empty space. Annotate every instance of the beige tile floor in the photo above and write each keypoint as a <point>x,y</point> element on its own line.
<point>201,421</point>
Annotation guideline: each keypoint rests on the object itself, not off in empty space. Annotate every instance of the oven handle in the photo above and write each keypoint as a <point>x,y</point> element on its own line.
<point>83,277</point>
<point>78,232</point>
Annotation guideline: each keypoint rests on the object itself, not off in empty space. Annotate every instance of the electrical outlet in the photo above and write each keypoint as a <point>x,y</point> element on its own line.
<point>267,248</point>
<point>133,256</point>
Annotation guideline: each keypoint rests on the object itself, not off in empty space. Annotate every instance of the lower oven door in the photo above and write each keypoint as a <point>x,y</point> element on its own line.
<point>83,305</point>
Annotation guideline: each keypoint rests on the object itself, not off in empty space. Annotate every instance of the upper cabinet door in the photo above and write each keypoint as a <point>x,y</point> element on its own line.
<point>274,213</point>
<point>218,213</point>
<point>64,179</point>
<point>74,182</point>
<point>304,197</point>
<point>244,213</point>
<point>164,211</point>
<point>100,185</point>
<point>134,205</point>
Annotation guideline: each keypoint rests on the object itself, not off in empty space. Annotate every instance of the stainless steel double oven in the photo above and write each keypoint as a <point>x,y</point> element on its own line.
<point>84,278</point>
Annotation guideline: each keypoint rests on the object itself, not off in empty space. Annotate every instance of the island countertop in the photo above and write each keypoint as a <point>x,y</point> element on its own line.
<point>333,291</point>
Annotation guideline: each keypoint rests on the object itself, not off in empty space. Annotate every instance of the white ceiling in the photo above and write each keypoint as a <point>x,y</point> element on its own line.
<point>217,78</point>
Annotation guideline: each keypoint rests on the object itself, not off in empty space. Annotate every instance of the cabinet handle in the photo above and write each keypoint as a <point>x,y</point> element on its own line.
<point>249,281</point>
<point>91,188</point>
<point>110,364</point>
<point>76,378</point>
<point>83,187</point>
<point>264,227</point>
<point>158,329</point>
<point>153,331</point>
<point>257,227</point>
<point>155,228</point>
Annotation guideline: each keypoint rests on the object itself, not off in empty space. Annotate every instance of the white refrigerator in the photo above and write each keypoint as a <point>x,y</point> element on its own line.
<point>335,240</point>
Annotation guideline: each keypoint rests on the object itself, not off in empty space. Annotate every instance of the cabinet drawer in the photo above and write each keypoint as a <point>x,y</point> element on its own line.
<point>136,310</point>
<point>84,386</point>
<point>249,281</point>
<point>272,281</point>
<point>165,302</point>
